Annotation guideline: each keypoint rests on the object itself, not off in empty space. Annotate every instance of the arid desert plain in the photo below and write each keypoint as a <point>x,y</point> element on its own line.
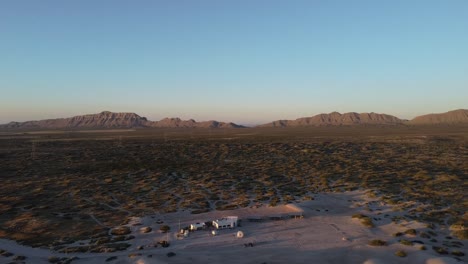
<point>316,195</point>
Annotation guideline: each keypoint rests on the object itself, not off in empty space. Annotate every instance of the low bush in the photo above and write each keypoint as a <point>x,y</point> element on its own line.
<point>458,253</point>
<point>401,253</point>
<point>461,234</point>
<point>53,259</point>
<point>120,231</point>
<point>424,235</point>
<point>365,220</point>
<point>359,216</point>
<point>19,258</point>
<point>406,242</point>
<point>165,228</point>
<point>377,242</point>
<point>111,258</point>
<point>411,232</point>
<point>440,250</point>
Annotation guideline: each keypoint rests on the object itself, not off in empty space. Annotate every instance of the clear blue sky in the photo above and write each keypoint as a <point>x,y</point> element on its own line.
<point>245,61</point>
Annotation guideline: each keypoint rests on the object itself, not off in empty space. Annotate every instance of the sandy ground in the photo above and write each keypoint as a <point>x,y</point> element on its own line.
<point>326,234</point>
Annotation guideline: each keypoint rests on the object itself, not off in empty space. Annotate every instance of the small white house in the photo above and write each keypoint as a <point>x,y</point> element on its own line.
<point>197,226</point>
<point>226,222</point>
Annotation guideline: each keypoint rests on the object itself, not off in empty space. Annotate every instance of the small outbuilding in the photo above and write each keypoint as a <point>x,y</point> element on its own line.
<point>226,222</point>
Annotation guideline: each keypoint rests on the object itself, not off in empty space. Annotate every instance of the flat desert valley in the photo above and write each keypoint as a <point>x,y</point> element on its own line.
<point>313,196</point>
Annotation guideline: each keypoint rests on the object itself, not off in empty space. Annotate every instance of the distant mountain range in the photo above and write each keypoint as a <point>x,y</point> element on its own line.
<point>452,117</point>
<point>108,120</point>
<point>336,119</point>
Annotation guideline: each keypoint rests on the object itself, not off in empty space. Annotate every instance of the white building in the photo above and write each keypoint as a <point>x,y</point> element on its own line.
<point>197,226</point>
<point>226,222</point>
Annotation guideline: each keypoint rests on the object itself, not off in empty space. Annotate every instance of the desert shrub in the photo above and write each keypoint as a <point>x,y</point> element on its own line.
<point>371,194</point>
<point>461,234</point>
<point>391,201</point>
<point>79,249</point>
<point>18,258</point>
<point>220,204</point>
<point>406,242</point>
<point>165,228</point>
<point>199,211</point>
<point>397,234</point>
<point>377,242</point>
<point>440,250</point>
<point>102,240</point>
<point>365,220</point>
<point>424,235</point>
<point>53,259</point>
<point>411,232</point>
<point>120,231</point>
<point>457,244</point>
<point>118,246</point>
<point>146,229</point>
<point>358,216</point>
<point>274,201</point>
<point>458,253</point>
<point>422,248</point>
<point>228,207</point>
<point>111,258</point>
<point>117,239</point>
<point>401,253</point>
<point>5,253</point>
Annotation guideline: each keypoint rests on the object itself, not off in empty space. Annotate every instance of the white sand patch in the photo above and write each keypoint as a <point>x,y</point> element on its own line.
<point>442,261</point>
<point>374,261</point>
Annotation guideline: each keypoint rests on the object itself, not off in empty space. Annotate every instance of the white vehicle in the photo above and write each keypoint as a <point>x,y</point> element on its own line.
<point>197,226</point>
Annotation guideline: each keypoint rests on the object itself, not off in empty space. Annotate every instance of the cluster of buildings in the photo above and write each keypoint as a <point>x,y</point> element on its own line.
<point>233,221</point>
<point>223,223</point>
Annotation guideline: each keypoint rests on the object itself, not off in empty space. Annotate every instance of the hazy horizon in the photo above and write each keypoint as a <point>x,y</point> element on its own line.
<point>247,62</point>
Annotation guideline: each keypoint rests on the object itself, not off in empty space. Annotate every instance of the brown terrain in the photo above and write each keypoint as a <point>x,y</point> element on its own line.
<point>76,193</point>
<point>452,117</point>
<point>336,119</point>
<point>177,122</point>
<point>106,120</point>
